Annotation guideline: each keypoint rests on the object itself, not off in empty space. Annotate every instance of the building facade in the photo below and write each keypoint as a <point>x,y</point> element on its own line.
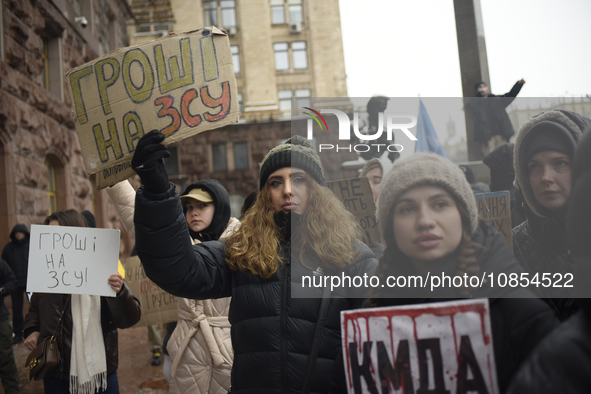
<point>41,165</point>
<point>283,51</point>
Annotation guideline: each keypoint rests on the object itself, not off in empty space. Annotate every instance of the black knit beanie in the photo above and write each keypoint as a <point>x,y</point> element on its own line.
<point>296,152</point>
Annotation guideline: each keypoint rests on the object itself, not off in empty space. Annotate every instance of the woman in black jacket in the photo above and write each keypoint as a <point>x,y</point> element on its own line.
<point>87,337</point>
<point>562,362</point>
<point>543,153</point>
<point>431,227</point>
<point>295,229</point>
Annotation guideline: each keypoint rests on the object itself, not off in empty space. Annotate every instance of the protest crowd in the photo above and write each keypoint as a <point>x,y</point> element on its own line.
<point>244,323</point>
<point>295,296</point>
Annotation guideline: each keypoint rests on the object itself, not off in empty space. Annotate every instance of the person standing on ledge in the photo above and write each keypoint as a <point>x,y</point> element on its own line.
<point>492,127</point>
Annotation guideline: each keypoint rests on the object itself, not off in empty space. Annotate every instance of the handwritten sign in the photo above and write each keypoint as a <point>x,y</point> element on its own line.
<point>72,260</point>
<point>181,84</point>
<point>356,196</point>
<point>495,209</point>
<point>158,306</point>
<point>429,348</point>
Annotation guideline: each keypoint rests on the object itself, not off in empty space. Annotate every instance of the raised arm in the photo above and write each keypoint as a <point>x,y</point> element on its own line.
<point>163,242</point>
<point>122,196</point>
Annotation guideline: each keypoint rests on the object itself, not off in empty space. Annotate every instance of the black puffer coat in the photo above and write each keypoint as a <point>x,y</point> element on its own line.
<point>272,330</point>
<point>16,254</point>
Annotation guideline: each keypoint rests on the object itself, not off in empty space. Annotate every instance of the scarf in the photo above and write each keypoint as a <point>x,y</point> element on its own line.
<point>88,361</point>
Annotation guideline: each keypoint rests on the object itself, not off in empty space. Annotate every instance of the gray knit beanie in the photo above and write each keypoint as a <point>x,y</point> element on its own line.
<point>296,152</point>
<point>424,169</point>
<point>370,165</point>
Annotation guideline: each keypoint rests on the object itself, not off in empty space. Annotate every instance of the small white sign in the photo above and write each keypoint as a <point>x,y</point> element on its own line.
<point>72,260</point>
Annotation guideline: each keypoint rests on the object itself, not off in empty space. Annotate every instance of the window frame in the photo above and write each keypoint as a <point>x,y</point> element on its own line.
<point>219,13</point>
<point>286,6</point>
<point>237,56</point>
<point>51,186</point>
<point>286,113</point>
<point>214,155</point>
<point>291,54</point>
<point>245,144</point>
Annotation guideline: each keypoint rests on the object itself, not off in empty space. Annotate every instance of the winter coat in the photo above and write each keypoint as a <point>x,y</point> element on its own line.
<point>489,115</point>
<point>561,363</point>
<point>122,311</point>
<point>16,254</point>
<point>540,244</point>
<point>8,285</point>
<point>272,329</point>
<point>200,346</point>
<point>518,321</point>
<point>500,163</point>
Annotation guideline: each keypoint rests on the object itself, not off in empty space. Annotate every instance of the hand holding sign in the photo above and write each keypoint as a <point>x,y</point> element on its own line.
<point>181,84</point>
<point>147,162</point>
<point>72,260</point>
<point>438,348</point>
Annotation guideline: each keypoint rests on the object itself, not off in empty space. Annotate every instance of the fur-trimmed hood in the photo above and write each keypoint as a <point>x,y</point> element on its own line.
<point>575,124</point>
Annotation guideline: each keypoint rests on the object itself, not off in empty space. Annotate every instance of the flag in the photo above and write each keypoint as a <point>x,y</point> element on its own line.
<point>427,140</point>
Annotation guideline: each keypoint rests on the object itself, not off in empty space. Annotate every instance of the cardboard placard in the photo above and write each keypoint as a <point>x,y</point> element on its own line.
<point>356,195</point>
<point>158,306</point>
<point>495,209</point>
<point>433,348</point>
<point>72,260</point>
<point>181,84</point>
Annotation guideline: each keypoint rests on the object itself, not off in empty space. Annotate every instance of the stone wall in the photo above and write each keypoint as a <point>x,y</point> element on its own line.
<point>37,125</point>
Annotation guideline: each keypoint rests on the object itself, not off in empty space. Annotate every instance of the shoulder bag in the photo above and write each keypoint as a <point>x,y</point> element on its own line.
<point>45,358</point>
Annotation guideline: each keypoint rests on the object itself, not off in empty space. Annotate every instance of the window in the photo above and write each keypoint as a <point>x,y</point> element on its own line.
<point>295,50</point>
<point>298,51</point>
<point>219,13</point>
<point>240,103</point>
<point>56,184</point>
<point>284,11</point>
<point>235,58</point>
<point>1,30</point>
<point>51,189</point>
<point>51,77</point>
<point>302,97</point>
<point>45,59</point>
<point>281,56</point>
<point>219,157</point>
<point>241,155</point>
<point>152,17</point>
<point>172,163</point>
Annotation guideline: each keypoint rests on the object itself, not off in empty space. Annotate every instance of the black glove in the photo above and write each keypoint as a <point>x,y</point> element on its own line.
<point>147,162</point>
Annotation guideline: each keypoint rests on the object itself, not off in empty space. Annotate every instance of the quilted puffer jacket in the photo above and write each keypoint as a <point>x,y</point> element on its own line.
<point>272,331</point>
<point>200,347</point>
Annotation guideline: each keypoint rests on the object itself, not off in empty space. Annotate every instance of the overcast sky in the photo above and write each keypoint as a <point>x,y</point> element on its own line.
<point>403,48</point>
